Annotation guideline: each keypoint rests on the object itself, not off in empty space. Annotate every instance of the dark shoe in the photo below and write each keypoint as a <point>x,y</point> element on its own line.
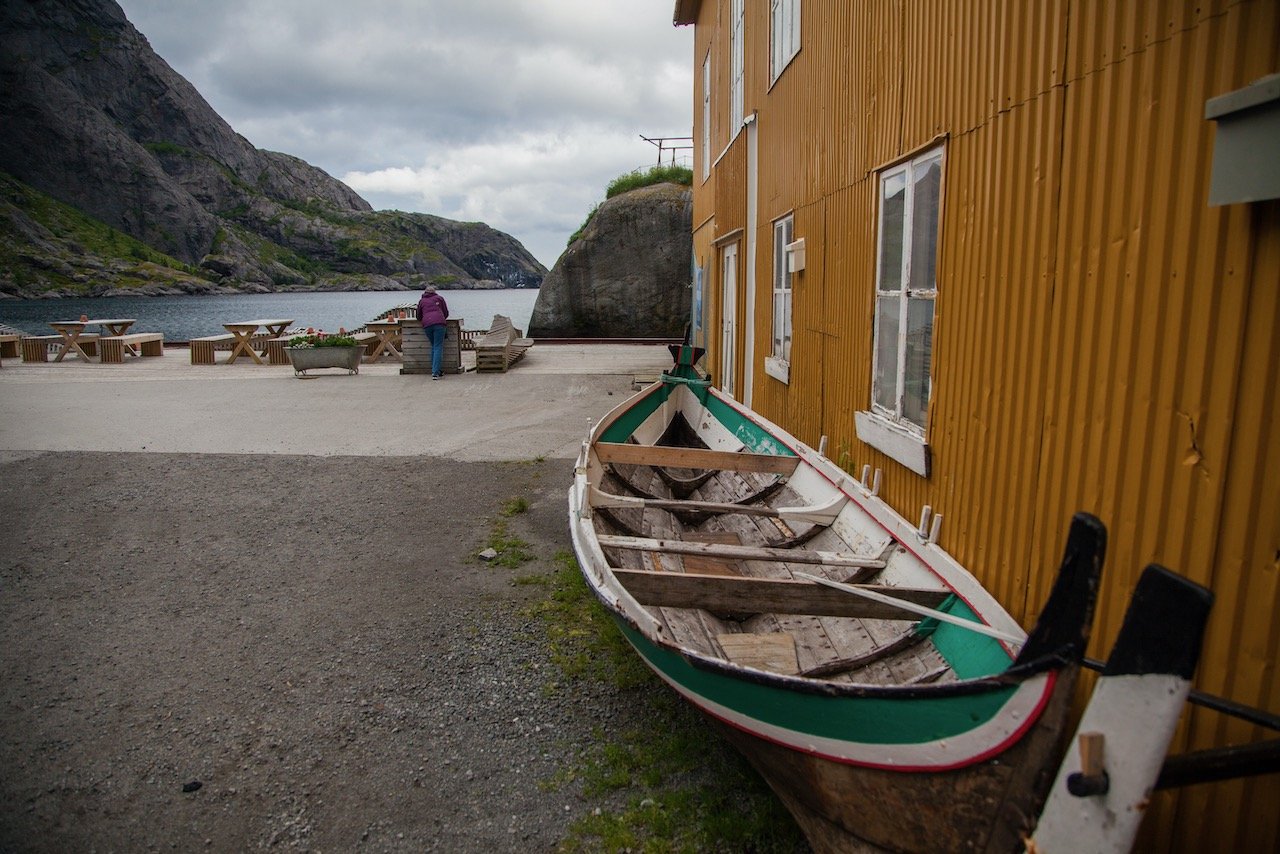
<point>435,376</point>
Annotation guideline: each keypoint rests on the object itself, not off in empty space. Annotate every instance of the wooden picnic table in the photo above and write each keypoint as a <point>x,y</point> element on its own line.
<point>389,341</point>
<point>244,331</point>
<point>73,331</point>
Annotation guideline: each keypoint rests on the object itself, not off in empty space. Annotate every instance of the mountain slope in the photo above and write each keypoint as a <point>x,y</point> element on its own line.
<point>94,119</point>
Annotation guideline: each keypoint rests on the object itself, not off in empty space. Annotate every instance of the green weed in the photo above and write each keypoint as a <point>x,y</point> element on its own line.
<point>514,506</point>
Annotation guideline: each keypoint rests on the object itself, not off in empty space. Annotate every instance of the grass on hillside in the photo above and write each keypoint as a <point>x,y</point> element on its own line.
<point>89,236</point>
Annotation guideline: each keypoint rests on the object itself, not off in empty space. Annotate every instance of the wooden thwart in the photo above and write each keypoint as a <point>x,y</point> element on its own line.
<point>730,595</point>
<point>817,514</point>
<point>693,458</point>
<point>600,498</point>
<point>725,550</point>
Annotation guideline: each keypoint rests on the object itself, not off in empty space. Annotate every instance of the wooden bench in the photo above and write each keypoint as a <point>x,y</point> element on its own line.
<point>9,345</point>
<point>35,348</point>
<point>501,347</point>
<point>202,349</point>
<point>112,347</point>
<point>275,350</point>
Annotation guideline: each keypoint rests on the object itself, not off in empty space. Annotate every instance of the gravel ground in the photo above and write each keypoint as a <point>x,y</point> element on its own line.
<point>233,652</point>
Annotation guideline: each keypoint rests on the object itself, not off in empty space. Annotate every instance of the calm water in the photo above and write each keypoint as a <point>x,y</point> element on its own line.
<point>187,317</point>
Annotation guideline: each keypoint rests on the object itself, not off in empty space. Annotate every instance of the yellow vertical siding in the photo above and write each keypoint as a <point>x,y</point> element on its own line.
<point>1246,569</point>
<point>1104,340</point>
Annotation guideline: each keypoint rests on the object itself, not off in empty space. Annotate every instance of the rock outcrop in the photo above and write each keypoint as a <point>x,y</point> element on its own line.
<point>627,275</point>
<point>94,119</point>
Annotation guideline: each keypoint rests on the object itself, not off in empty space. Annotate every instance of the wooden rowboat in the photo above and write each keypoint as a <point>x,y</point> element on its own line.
<point>880,690</point>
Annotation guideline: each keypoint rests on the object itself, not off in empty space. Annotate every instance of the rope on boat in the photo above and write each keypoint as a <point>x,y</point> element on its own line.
<point>941,616</point>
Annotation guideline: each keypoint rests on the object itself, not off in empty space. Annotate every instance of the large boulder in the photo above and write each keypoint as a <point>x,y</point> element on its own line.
<point>627,275</point>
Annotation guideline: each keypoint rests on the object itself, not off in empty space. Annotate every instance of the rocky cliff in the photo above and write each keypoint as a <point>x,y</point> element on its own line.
<point>118,175</point>
<point>627,275</point>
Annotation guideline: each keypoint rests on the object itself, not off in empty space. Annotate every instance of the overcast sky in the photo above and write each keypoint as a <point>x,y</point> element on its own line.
<point>516,113</point>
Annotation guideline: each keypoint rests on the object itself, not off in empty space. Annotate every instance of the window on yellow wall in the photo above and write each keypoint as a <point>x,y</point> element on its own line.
<point>906,288</point>
<point>706,117</point>
<point>784,35</point>
<point>737,67</point>
<point>778,365</point>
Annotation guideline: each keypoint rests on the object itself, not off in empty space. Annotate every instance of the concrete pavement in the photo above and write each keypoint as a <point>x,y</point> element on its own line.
<point>540,408</point>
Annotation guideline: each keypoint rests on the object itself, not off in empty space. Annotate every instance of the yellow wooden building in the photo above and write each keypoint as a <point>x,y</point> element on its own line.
<point>1023,257</point>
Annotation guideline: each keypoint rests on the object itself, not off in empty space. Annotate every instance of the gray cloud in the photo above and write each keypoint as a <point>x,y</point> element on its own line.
<point>512,112</point>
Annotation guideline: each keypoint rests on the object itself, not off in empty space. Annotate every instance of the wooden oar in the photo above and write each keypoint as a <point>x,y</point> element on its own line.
<point>980,628</point>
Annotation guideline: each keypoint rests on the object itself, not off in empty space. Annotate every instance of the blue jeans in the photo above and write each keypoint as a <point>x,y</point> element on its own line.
<point>435,334</point>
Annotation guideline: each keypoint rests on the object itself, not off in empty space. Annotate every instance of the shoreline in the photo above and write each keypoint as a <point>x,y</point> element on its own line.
<point>222,291</point>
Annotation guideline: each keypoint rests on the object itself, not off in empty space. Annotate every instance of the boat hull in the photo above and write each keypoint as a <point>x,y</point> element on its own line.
<point>983,804</point>
<point>963,765</point>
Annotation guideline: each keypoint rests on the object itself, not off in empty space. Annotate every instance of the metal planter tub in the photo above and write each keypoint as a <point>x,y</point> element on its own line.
<point>305,359</point>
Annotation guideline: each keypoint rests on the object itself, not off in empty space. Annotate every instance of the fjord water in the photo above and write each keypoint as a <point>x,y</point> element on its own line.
<point>182,318</point>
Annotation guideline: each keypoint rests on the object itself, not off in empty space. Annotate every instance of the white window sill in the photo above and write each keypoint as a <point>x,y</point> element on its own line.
<point>778,369</point>
<point>890,439</point>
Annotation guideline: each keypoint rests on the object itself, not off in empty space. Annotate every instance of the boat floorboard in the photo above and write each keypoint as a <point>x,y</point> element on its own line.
<point>767,641</point>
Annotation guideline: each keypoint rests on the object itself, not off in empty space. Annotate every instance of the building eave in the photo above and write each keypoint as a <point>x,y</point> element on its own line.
<point>685,12</point>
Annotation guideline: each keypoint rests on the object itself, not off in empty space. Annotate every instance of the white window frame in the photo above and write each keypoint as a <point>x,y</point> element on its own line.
<point>886,428</point>
<point>778,363</point>
<point>737,68</point>
<point>784,35</point>
<point>706,116</point>
<point>728,317</point>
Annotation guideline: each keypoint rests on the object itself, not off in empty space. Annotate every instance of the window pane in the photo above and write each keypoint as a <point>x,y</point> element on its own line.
<point>779,254</point>
<point>778,320</point>
<point>924,225</point>
<point>919,342</point>
<point>885,392</point>
<point>893,207</point>
<point>786,339</point>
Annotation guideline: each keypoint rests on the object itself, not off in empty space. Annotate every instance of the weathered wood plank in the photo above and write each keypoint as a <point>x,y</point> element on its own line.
<point>643,544</point>
<point>772,652</point>
<point>693,458</point>
<point>607,499</point>
<point>710,565</point>
<point>728,595</point>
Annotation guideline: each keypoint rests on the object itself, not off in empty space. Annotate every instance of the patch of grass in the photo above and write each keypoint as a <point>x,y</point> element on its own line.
<point>76,239</point>
<point>514,506</point>
<point>583,641</point>
<point>635,180</point>
<point>590,216</point>
<point>685,789</point>
<point>657,175</point>
<point>513,552</point>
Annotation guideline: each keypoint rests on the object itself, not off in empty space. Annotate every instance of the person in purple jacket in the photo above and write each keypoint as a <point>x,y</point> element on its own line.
<point>432,313</point>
